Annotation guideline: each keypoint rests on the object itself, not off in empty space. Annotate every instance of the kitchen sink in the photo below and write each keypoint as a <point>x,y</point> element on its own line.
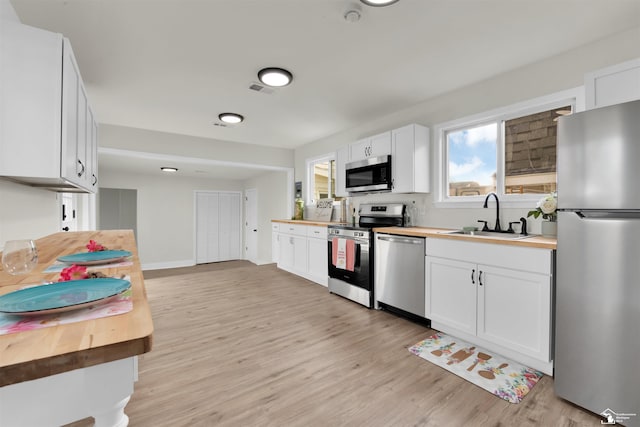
<point>494,234</point>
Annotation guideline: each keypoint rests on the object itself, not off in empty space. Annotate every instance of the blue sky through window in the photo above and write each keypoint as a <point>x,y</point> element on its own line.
<point>472,154</point>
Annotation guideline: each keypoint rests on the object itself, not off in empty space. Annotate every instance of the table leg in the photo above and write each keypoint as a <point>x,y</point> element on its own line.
<point>114,417</point>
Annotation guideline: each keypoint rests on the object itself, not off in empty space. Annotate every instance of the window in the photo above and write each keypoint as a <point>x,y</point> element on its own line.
<point>511,151</point>
<point>472,160</point>
<point>321,178</point>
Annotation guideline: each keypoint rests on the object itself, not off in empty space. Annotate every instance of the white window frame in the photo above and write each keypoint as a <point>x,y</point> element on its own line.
<point>309,200</point>
<point>574,97</point>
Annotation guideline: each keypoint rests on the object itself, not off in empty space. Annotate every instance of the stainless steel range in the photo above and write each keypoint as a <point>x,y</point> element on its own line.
<point>351,248</point>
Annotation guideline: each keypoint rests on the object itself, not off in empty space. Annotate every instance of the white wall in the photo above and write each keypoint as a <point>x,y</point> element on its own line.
<point>165,214</point>
<point>555,74</point>
<point>26,212</point>
<point>272,204</point>
<point>7,12</point>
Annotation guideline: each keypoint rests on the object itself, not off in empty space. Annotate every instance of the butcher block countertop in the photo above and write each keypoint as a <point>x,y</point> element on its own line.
<point>531,242</point>
<point>33,354</point>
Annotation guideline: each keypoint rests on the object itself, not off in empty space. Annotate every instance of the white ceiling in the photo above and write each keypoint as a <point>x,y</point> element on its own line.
<point>174,65</point>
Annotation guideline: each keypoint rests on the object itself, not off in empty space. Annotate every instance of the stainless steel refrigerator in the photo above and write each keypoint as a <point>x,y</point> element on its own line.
<point>597,338</point>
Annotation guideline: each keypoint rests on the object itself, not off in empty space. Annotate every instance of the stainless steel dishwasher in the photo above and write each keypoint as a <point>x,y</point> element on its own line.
<point>399,272</point>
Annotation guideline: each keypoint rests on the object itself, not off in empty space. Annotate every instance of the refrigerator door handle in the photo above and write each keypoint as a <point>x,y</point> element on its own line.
<point>596,215</point>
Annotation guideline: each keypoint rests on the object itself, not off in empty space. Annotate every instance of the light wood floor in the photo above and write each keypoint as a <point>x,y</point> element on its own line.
<point>243,345</point>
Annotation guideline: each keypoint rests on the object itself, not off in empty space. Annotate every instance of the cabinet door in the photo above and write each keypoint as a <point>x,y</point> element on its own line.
<point>402,167</point>
<point>71,168</point>
<point>451,288</point>
<point>373,146</point>
<point>275,246</point>
<point>92,150</point>
<point>380,144</point>
<point>360,150</point>
<point>613,85</point>
<point>84,131</point>
<point>342,157</point>
<point>410,159</point>
<point>514,310</point>
<point>31,68</point>
<point>317,258</point>
<point>300,254</point>
<point>286,251</point>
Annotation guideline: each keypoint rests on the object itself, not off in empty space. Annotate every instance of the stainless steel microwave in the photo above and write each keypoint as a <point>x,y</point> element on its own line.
<point>372,174</point>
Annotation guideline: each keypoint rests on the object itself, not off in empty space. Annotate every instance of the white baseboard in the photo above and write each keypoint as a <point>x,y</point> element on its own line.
<point>260,262</point>
<point>168,264</point>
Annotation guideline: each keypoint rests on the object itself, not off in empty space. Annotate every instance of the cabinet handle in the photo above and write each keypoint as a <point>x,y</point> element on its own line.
<point>473,274</point>
<point>480,277</point>
<point>82,170</point>
<point>95,179</point>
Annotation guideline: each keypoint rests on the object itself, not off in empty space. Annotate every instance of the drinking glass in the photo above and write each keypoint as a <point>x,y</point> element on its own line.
<point>19,256</point>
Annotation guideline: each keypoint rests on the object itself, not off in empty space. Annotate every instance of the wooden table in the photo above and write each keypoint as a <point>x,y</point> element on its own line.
<point>60,374</point>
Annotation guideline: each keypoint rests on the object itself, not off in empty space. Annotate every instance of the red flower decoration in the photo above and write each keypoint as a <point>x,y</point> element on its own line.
<point>94,246</point>
<point>75,272</point>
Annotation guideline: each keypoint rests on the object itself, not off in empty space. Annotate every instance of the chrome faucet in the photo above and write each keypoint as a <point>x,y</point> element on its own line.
<point>497,227</point>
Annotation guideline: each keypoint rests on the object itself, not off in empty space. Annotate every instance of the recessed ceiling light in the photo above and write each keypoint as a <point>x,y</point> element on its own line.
<point>231,118</point>
<point>378,3</point>
<point>168,169</point>
<point>275,77</point>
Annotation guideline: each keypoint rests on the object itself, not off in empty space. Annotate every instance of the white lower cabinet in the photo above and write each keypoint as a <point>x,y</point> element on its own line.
<point>496,296</point>
<point>317,255</point>
<point>302,250</point>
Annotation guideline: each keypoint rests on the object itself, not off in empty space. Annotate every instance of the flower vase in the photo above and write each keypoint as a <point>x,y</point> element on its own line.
<point>549,228</point>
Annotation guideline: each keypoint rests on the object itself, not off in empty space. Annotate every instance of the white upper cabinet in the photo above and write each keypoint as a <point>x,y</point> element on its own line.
<point>410,159</point>
<point>410,153</point>
<point>49,132</point>
<point>373,146</point>
<point>613,85</point>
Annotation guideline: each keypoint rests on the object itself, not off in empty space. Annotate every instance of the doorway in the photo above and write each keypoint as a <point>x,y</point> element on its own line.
<point>118,209</point>
<point>218,226</point>
<point>68,212</point>
<point>251,224</point>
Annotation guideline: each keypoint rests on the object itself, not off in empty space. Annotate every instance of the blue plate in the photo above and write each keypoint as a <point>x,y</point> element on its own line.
<point>61,296</point>
<point>90,258</point>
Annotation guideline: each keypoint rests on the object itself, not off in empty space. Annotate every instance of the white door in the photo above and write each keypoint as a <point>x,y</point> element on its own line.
<point>251,224</point>
<point>229,220</point>
<point>218,234</point>
<point>207,233</point>
<point>68,215</point>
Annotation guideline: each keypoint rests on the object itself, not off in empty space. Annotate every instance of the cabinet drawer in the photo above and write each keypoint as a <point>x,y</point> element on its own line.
<point>319,232</point>
<point>294,229</point>
<point>275,226</point>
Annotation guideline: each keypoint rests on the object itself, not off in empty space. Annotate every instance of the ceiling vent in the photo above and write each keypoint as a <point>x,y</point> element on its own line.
<point>259,87</point>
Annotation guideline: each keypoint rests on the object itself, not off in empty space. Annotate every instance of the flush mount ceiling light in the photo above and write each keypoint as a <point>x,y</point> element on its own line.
<point>275,77</point>
<point>232,118</point>
<point>378,3</point>
<point>168,169</point>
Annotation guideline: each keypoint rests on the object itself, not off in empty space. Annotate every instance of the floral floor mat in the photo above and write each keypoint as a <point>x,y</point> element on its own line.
<point>504,378</point>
